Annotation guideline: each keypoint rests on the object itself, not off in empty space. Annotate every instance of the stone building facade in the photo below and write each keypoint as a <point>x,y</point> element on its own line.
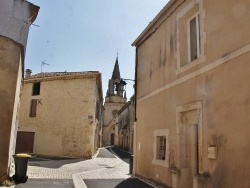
<point>125,126</point>
<point>192,95</point>
<point>114,100</point>
<point>16,16</point>
<point>60,114</point>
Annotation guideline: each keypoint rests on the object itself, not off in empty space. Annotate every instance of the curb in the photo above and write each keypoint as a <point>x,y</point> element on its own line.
<point>78,181</point>
<point>97,152</point>
<point>148,182</point>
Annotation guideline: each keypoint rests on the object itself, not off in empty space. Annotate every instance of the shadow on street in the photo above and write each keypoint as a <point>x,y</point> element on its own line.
<point>49,162</point>
<point>125,156</point>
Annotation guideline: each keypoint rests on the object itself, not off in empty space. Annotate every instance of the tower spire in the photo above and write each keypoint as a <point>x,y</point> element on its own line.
<point>116,71</point>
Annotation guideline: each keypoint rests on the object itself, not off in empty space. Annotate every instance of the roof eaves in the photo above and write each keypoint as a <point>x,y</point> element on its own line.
<point>151,24</point>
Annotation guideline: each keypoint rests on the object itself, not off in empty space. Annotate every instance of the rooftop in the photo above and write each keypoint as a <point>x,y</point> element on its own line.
<point>60,74</point>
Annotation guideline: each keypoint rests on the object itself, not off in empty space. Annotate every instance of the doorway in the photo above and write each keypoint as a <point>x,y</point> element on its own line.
<point>112,139</point>
<point>189,133</point>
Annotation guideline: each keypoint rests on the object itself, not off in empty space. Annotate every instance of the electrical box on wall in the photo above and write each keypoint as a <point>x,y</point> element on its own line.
<point>212,152</point>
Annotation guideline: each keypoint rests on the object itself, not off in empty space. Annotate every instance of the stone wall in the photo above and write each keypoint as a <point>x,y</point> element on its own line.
<point>65,119</point>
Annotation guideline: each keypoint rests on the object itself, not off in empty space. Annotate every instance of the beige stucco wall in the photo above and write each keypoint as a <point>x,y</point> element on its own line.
<point>15,119</point>
<point>63,120</point>
<point>9,67</point>
<point>131,125</point>
<point>220,82</point>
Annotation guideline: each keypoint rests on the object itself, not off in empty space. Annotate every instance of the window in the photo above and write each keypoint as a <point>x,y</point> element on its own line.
<point>190,36</point>
<point>114,112</point>
<point>33,107</point>
<point>161,148</point>
<point>36,89</point>
<point>194,38</point>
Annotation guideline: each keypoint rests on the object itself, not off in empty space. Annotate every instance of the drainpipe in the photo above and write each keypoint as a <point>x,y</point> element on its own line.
<point>135,120</point>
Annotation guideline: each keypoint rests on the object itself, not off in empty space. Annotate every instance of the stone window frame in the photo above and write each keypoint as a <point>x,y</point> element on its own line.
<point>201,12</point>
<point>160,162</point>
<point>179,131</point>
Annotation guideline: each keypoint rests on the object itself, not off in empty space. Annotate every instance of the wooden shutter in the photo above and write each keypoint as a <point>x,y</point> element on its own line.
<point>33,107</point>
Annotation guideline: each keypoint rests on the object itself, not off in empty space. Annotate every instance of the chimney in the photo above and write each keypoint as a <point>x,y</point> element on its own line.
<point>28,73</point>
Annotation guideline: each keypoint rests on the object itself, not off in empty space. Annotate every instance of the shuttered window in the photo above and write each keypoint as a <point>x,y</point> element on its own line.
<point>33,107</point>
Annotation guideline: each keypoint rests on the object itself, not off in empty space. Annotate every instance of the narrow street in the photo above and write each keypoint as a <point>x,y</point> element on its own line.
<point>110,168</point>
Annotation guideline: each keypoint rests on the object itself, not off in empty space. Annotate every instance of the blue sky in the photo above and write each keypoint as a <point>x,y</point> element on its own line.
<point>85,35</point>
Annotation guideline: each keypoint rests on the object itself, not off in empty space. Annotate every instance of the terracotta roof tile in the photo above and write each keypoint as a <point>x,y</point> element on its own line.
<point>55,74</point>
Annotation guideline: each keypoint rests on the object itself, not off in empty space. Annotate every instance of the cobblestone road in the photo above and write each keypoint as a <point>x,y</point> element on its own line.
<point>104,171</point>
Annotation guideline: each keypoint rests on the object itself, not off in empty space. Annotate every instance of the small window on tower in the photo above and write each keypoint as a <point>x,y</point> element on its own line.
<point>36,88</point>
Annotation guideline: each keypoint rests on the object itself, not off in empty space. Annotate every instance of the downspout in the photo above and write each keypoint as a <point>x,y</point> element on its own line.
<point>135,86</point>
<point>135,118</point>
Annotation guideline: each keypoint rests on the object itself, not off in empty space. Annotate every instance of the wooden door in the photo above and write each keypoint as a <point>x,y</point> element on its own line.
<point>25,142</point>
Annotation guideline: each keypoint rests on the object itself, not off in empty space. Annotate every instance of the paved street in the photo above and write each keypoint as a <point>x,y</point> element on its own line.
<point>106,170</point>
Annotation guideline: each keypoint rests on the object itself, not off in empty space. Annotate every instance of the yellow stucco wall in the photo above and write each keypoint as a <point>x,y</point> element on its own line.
<point>65,122</point>
<point>219,81</point>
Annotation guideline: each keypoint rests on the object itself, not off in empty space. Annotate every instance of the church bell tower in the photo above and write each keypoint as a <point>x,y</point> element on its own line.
<point>114,101</point>
<point>116,87</point>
